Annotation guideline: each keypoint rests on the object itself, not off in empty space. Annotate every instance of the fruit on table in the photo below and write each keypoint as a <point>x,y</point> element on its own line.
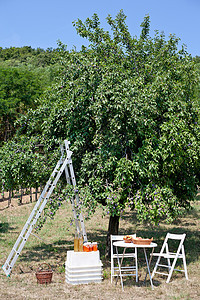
<point>127,237</point>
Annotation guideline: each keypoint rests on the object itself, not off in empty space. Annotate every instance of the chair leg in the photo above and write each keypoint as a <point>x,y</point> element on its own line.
<point>112,267</point>
<point>168,259</point>
<point>136,265</point>
<point>112,270</point>
<point>119,264</point>
<point>155,268</point>
<point>184,263</point>
<point>169,264</point>
<point>185,268</point>
<point>171,270</point>
<point>112,274</point>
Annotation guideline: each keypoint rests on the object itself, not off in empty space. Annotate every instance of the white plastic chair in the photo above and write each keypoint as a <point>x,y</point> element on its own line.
<point>166,254</point>
<point>125,271</point>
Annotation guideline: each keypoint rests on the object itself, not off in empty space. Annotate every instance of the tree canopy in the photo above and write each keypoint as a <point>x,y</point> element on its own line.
<point>128,106</point>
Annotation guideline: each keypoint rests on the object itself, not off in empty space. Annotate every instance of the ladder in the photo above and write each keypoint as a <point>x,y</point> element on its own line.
<point>64,164</point>
<point>78,217</point>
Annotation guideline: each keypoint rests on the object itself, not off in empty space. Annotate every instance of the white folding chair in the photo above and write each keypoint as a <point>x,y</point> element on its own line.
<point>125,271</point>
<point>167,255</point>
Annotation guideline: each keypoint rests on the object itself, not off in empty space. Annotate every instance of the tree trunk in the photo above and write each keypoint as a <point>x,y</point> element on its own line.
<point>113,228</point>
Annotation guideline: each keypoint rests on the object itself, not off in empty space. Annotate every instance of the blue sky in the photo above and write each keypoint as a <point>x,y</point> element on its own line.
<point>41,23</point>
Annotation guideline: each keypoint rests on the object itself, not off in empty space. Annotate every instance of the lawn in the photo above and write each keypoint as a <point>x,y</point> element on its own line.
<point>56,238</point>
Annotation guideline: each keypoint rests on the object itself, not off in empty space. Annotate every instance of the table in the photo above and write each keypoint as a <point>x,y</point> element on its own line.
<point>131,245</point>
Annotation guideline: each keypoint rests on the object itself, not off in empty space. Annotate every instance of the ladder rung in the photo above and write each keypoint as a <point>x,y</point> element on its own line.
<point>17,252</point>
<point>23,237</point>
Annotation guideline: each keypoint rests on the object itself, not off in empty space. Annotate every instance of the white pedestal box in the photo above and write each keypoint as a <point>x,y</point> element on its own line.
<point>83,267</point>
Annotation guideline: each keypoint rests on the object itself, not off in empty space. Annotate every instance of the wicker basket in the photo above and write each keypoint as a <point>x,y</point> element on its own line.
<point>142,241</point>
<point>44,274</point>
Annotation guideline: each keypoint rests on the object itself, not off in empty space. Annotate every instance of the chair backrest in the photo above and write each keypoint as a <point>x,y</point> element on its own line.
<point>114,238</point>
<point>118,237</point>
<point>172,236</point>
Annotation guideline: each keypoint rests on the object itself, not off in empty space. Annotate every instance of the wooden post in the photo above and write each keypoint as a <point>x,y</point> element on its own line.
<point>36,193</point>
<point>21,196</point>
<point>31,195</point>
<point>9,198</point>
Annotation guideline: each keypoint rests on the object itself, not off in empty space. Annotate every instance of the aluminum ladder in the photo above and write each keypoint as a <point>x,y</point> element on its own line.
<point>70,177</point>
<point>64,164</point>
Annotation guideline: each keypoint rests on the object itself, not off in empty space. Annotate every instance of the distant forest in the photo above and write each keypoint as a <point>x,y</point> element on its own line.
<point>25,73</point>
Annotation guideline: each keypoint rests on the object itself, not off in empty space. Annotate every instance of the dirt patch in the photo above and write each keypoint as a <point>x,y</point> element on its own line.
<point>24,286</point>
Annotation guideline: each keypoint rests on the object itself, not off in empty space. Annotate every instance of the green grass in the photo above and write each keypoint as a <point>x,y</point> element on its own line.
<point>56,238</point>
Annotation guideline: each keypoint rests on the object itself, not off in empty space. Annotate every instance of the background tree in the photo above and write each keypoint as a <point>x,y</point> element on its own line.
<point>197,65</point>
<point>18,90</point>
<point>24,74</point>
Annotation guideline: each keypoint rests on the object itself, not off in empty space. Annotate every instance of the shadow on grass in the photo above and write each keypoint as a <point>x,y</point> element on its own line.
<point>4,227</point>
<point>53,252</point>
<point>56,252</point>
<point>179,226</point>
